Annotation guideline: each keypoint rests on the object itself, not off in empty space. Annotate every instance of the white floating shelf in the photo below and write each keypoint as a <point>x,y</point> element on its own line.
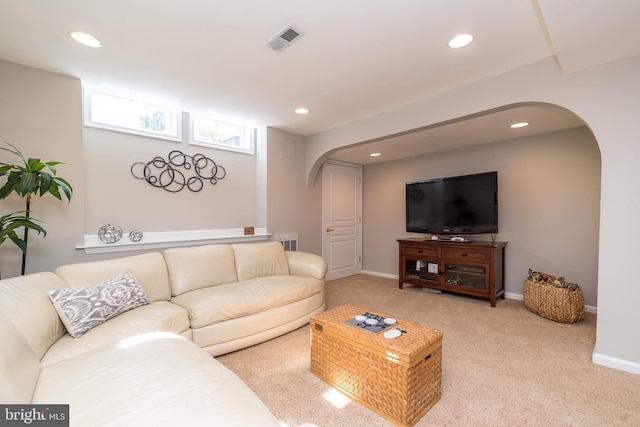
<point>171,239</point>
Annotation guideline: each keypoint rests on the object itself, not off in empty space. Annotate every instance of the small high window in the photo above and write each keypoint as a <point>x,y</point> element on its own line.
<point>213,133</point>
<point>132,116</point>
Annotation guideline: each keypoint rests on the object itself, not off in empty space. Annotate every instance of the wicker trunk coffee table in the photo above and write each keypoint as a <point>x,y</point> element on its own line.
<point>398,378</point>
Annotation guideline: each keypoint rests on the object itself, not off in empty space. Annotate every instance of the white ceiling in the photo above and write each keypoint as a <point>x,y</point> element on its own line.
<point>356,58</point>
<point>493,126</point>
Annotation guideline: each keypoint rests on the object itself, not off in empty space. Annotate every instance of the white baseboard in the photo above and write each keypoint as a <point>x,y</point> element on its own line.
<point>375,273</point>
<point>520,297</point>
<point>511,295</point>
<point>615,363</point>
<point>508,295</point>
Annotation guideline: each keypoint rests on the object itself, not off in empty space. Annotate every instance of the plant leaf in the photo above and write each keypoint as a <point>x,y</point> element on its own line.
<point>28,184</point>
<point>66,187</point>
<point>14,151</point>
<point>52,166</point>
<point>34,165</point>
<point>11,222</point>
<point>7,189</point>
<point>55,192</point>
<point>18,241</point>
<point>46,180</point>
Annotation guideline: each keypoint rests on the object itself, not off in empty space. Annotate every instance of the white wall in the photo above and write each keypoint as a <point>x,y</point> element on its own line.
<point>115,196</point>
<point>549,205</point>
<point>606,98</point>
<point>291,207</point>
<point>40,113</point>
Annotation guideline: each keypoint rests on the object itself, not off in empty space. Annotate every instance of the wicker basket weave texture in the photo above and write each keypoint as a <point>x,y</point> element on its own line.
<point>554,303</point>
<point>400,379</point>
<point>402,395</point>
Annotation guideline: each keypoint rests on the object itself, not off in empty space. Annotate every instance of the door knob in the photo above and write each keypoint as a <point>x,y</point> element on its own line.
<point>329,229</point>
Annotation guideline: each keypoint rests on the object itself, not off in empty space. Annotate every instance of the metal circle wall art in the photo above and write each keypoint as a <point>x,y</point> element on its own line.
<point>178,171</point>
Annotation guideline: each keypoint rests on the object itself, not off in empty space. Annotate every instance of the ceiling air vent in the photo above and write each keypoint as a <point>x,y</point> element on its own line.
<point>284,38</point>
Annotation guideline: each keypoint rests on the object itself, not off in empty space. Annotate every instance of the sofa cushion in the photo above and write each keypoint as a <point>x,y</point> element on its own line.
<point>306,264</point>
<point>81,309</point>
<point>242,332</point>
<point>159,316</point>
<point>149,269</point>
<point>156,379</point>
<point>232,300</point>
<point>25,302</point>
<point>260,260</point>
<point>199,267</point>
<point>19,365</point>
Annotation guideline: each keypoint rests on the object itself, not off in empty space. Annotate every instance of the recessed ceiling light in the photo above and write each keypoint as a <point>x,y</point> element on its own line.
<point>461,40</point>
<point>375,154</point>
<point>302,110</point>
<point>85,39</point>
<point>519,125</point>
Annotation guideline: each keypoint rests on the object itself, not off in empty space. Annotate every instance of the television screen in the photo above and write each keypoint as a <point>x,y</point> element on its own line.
<point>456,205</point>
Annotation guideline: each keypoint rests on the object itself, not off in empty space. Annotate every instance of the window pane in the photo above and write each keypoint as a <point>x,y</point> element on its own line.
<point>213,132</point>
<point>118,112</point>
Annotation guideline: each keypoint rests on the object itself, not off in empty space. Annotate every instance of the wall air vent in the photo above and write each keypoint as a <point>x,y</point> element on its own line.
<point>284,38</point>
<point>289,241</point>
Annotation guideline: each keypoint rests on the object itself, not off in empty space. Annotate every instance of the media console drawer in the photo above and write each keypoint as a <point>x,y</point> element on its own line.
<point>421,251</point>
<point>464,254</point>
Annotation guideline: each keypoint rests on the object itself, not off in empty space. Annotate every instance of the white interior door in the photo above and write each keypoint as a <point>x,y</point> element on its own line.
<point>341,219</point>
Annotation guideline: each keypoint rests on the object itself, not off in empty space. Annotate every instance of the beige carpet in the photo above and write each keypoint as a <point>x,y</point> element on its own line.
<point>502,366</point>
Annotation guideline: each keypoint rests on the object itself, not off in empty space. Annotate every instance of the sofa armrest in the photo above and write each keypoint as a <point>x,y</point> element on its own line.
<point>306,264</point>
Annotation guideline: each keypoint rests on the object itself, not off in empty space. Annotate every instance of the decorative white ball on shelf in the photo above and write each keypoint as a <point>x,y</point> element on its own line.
<point>110,233</point>
<point>135,235</point>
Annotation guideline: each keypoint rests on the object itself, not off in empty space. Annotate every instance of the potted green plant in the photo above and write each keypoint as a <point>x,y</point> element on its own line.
<point>11,222</point>
<point>31,177</point>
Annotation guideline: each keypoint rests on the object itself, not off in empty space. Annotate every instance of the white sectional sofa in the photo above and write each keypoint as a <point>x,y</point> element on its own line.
<point>147,366</point>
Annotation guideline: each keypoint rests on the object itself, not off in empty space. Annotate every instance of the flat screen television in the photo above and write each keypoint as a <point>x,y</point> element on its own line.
<point>465,204</point>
